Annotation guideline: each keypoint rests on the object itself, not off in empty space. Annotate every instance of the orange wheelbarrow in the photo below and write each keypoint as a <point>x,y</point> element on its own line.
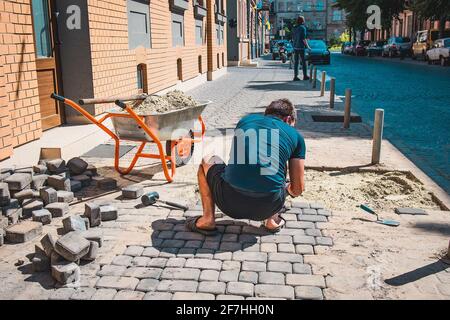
<point>176,128</point>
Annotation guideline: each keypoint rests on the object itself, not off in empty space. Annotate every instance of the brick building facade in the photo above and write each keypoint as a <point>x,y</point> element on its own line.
<point>99,48</point>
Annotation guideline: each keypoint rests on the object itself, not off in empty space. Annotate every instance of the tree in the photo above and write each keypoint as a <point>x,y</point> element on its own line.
<point>434,10</point>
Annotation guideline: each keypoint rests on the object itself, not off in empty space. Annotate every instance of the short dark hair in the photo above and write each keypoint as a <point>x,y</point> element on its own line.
<point>301,20</point>
<point>281,108</point>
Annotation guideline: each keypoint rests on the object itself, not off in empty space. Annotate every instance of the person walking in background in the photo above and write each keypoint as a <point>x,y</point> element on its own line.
<point>300,45</point>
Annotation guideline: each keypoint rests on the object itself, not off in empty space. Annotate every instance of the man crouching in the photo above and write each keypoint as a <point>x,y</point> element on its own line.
<point>253,184</point>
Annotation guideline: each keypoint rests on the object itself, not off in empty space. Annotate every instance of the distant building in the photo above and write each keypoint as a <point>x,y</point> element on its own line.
<point>323,20</point>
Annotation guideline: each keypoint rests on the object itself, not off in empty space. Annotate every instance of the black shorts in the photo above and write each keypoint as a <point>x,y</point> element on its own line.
<point>240,204</point>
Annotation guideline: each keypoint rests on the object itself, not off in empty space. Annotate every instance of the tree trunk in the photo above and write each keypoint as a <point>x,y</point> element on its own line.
<point>442,21</point>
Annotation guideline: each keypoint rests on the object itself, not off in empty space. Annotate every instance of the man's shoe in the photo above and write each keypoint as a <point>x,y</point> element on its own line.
<point>306,78</point>
<point>296,79</point>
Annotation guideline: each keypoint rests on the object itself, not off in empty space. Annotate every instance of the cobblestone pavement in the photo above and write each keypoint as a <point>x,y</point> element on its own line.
<point>242,262</point>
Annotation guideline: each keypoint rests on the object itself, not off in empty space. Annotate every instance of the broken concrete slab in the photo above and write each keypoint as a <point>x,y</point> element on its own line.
<point>23,232</point>
<point>65,196</point>
<point>93,235</point>
<point>48,244</point>
<point>75,186</point>
<point>38,181</point>
<point>23,195</point>
<point>74,223</point>
<point>13,203</point>
<point>40,262</point>
<point>5,196</point>
<point>412,211</point>
<point>56,258</point>
<point>3,222</point>
<point>58,209</point>
<point>43,216</point>
<point>56,166</point>
<point>31,205</point>
<point>40,169</point>
<point>92,211</point>
<point>77,166</point>
<point>72,246</point>
<point>92,253</point>
<point>66,272</point>
<point>134,191</point>
<point>108,213</point>
<point>18,181</point>
<point>83,179</point>
<point>48,195</point>
<point>59,183</point>
<point>105,183</point>
<point>2,237</point>
<point>13,215</point>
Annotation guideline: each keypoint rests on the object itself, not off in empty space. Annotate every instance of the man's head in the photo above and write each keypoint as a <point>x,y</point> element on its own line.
<point>283,109</point>
<point>301,20</point>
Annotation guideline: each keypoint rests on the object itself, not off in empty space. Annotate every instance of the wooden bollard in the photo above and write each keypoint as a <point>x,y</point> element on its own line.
<point>377,135</point>
<point>348,108</point>
<point>322,84</point>
<point>314,82</point>
<point>311,67</point>
<point>332,91</point>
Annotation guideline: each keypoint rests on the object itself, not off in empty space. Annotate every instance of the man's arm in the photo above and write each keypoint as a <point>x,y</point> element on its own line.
<point>297,177</point>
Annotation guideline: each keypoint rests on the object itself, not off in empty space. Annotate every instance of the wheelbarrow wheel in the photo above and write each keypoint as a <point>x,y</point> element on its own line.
<point>183,149</point>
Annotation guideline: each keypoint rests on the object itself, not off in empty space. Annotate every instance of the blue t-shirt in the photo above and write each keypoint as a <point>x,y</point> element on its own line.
<point>262,146</point>
<point>298,36</point>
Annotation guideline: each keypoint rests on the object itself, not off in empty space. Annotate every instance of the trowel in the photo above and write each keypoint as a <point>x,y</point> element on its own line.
<point>391,223</point>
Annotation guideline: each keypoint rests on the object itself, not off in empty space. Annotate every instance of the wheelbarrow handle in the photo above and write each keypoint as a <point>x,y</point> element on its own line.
<point>57,97</point>
<point>121,104</point>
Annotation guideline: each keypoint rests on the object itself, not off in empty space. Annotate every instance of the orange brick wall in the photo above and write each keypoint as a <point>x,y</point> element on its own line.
<point>20,117</point>
<point>114,65</point>
<point>215,49</point>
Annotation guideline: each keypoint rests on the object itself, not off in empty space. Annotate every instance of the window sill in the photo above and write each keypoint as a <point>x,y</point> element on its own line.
<point>199,11</point>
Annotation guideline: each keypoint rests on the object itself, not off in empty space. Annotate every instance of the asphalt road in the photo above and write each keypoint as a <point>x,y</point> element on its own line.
<point>416,100</point>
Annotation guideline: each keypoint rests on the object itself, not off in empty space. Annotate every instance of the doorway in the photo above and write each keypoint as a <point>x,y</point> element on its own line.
<point>44,28</point>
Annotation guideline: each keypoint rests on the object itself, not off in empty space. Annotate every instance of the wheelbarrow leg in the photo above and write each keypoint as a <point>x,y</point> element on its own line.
<point>133,162</point>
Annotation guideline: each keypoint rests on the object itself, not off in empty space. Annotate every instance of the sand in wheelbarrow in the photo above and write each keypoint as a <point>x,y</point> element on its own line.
<point>172,100</point>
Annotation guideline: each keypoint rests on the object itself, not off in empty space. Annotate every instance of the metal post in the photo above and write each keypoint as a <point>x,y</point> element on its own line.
<point>332,91</point>
<point>322,84</point>
<point>311,67</point>
<point>315,78</point>
<point>348,108</point>
<point>377,135</point>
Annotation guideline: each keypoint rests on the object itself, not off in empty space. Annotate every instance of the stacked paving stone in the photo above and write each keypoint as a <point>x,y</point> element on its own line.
<point>243,261</point>
<point>42,193</point>
<point>80,242</point>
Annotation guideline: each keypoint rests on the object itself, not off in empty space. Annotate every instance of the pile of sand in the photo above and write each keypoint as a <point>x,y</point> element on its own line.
<point>340,190</point>
<point>172,100</point>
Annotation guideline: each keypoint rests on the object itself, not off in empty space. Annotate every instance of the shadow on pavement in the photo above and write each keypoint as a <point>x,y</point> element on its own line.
<point>417,274</point>
<point>440,228</point>
<point>171,236</point>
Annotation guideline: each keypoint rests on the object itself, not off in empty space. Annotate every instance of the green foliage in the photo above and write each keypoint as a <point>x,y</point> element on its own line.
<point>432,9</point>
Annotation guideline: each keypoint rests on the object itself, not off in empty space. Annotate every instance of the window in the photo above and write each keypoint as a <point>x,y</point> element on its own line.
<point>199,32</point>
<point>177,30</point>
<point>218,61</point>
<point>41,28</point>
<point>320,5</point>
<point>337,15</point>
<point>180,69</point>
<point>138,24</point>
<point>142,78</point>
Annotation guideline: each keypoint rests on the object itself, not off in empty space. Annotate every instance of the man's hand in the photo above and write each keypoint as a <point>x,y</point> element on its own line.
<point>297,177</point>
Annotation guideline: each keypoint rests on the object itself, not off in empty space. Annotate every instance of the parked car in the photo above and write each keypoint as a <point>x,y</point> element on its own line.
<point>344,45</point>
<point>319,52</point>
<point>348,49</point>
<point>440,52</point>
<point>289,49</point>
<point>397,46</point>
<point>424,41</point>
<point>359,49</point>
<point>375,48</point>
